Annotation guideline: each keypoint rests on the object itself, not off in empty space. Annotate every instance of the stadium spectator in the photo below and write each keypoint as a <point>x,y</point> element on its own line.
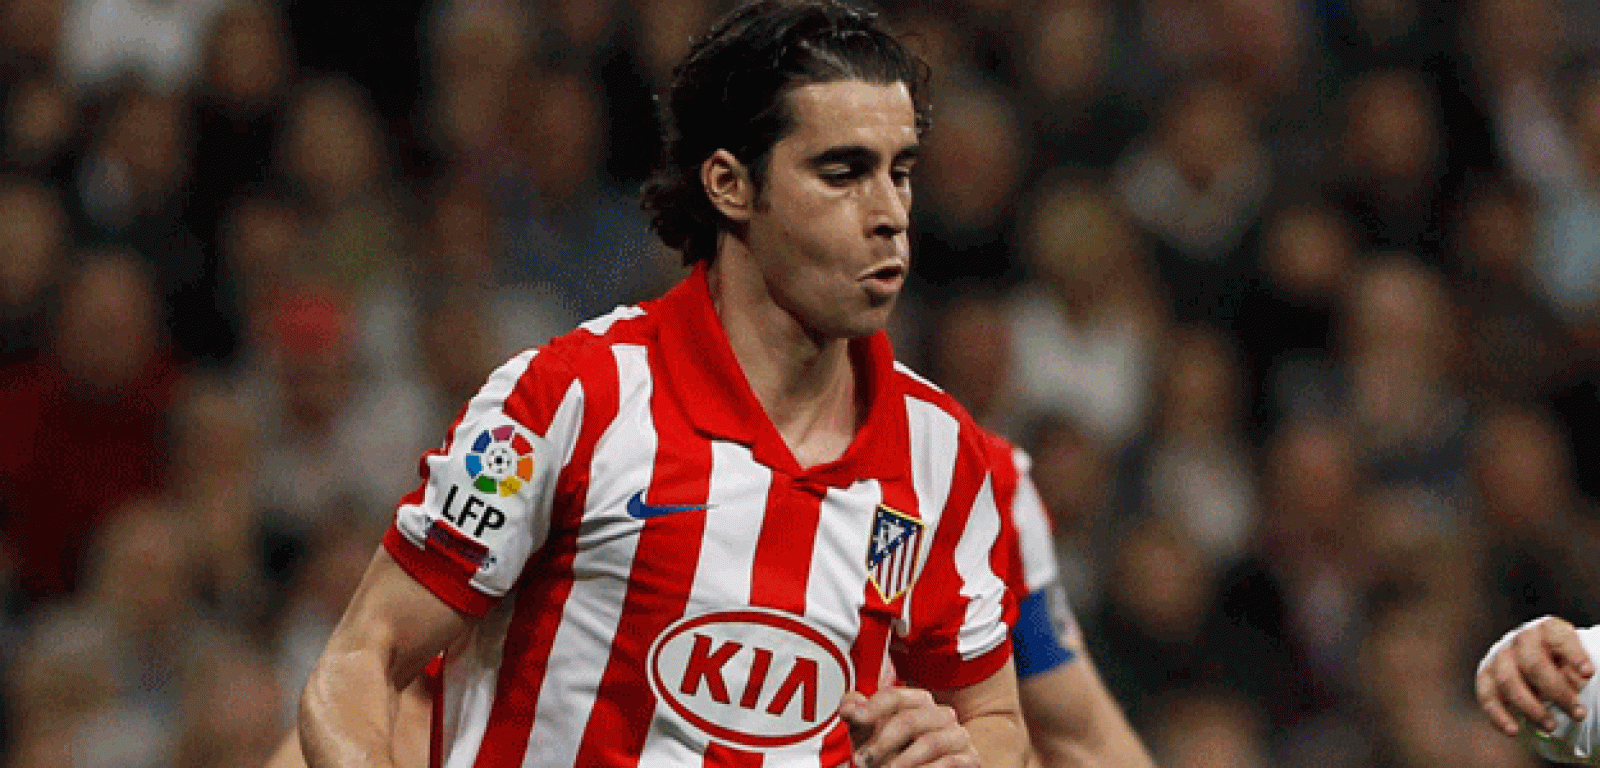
<point>1518,348</point>
<point>1428,721</point>
<point>1401,362</point>
<point>567,229</point>
<point>1074,471</point>
<point>41,128</point>
<point>1389,179</point>
<point>334,151</point>
<point>1534,524</point>
<point>1286,620</point>
<point>215,460</point>
<point>1146,633</point>
<point>30,36</point>
<point>971,358</point>
<point>967,185</point>
<point>1087,329</point>
<point>238,114</point>
<point>1197,187</point>
<point>84,421</point>
<point>33,245</point>
<point>1067,71</point>
<point>1196,464</point>
<point>477,49</point>
<point>320,589</point>
<point>157,42</point>
<point>230,711</point>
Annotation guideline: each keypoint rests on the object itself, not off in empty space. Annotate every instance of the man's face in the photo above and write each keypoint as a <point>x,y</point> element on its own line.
<point>829,230</point>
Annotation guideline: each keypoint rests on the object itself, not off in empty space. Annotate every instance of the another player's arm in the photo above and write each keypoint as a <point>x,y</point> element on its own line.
<point>1543,663</point>
<point>390,630</point>
<point>1074,721</point>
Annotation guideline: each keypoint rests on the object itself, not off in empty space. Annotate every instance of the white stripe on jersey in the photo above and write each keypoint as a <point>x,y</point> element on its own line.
<point>838,572</point>
<point>472,674</point>
<point>472,669</point>
<point>1034,536</point>
<point>600,325</point>
<point>934,440</point>
<point>623,458</point>
<point>979,584</point>
<point>735,499</point>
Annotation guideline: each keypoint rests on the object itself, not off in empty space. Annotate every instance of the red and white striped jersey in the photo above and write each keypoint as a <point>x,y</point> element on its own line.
<point>1027,532</point>
<point>660,583</point>
<point>1045,632</point>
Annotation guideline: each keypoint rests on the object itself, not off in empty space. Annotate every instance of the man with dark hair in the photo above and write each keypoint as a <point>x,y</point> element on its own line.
<point>694,531</point>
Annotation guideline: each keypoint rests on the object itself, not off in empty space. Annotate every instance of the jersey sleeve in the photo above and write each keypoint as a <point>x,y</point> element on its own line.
<point>958,630</point>
<point>485,502</point>
<point>1570,742</point>
<point>1046,631</point>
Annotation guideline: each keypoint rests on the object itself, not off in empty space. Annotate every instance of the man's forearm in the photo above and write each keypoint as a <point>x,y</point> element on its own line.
<point>347,712</point>
<point>1000,739</point>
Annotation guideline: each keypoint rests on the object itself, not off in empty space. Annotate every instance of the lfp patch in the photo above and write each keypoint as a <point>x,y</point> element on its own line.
<point>501,461</point>
<point>892,551</point>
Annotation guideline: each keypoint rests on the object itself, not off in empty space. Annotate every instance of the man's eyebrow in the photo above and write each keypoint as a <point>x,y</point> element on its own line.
<point>847,155</point>
<point>860,155</point>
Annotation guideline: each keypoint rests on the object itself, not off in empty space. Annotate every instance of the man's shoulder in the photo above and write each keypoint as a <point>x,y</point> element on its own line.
<point>911,385</point>
<point>594,338</point>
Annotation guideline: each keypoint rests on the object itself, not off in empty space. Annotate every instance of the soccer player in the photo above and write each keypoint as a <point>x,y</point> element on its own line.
<point>687,532</point>
<point>1072,719</point>
<point>1537,684</point>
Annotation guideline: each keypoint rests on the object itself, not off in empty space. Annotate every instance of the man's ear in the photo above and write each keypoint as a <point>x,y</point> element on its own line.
<point>727,182</point>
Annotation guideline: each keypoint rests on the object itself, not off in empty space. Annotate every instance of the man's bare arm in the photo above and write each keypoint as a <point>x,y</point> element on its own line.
<point>979,725</point>
<point>391,629</point>
<point>412,723</point>
<point>1074,721</point>
<point>991,711</point>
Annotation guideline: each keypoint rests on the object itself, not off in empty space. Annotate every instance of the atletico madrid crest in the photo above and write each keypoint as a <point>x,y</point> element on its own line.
<point>892,552</point>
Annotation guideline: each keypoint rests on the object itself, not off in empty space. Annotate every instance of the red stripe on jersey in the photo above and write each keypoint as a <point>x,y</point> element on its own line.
<point>441,573</point>
<point>837,749</point>
<point>937,600</point>
<point>871,645</point>
<point>546,583</point>
<point>658,586</point>
<point>782,564</point>
<point>719,755</point>
<point>1006,556</point>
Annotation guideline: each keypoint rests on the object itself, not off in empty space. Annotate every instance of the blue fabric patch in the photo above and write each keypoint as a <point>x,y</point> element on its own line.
<point>1034,642</point>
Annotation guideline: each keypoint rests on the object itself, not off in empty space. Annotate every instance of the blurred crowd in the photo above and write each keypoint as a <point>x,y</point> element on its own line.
<point>1295,303</point>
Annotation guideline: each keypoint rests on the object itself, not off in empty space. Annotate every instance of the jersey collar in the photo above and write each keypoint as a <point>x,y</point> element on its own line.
<point>708,383</point>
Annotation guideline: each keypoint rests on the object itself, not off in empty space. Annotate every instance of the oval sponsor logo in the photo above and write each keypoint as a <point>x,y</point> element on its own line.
<point>751,677</point>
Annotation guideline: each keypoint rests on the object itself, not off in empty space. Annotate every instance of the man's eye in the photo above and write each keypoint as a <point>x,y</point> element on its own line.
<point>839,173</point>
<point>901,175</point>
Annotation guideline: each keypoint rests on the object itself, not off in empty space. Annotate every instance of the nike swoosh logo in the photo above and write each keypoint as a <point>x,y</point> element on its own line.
<point>639,510</point>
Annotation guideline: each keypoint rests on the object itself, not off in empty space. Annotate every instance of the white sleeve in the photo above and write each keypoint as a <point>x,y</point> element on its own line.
<point>485,503</point>
<point>1570,742</point>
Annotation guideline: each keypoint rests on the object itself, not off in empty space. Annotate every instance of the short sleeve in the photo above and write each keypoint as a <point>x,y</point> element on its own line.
<point>485,502</point>
<point>959,632</point>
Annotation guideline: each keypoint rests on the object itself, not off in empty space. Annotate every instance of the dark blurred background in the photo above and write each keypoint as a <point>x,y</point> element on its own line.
<point>1296,304</point>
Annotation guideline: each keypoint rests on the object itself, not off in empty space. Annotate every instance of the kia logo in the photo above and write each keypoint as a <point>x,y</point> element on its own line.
<point>751,677</point>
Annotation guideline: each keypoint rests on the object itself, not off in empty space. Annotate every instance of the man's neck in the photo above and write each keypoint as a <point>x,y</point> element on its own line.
<point>805,382</point>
